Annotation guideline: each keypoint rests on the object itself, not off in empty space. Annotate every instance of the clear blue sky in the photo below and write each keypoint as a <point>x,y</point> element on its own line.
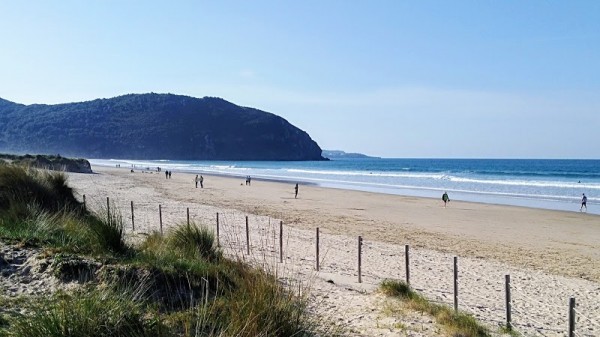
<point>482,79</point>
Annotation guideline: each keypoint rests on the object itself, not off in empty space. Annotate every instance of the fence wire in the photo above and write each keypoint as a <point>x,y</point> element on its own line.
<point>336,253</point>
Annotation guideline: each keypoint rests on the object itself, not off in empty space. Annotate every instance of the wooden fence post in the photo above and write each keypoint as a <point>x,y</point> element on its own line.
<point>84,205</point>
<point>280,241</point>
<point>132,218</point>
<point>188,216</point>
<point>160,218</point>
<point>455,283</point>
<point>359,259</point>
<point>407,262</point>
<point>508,304</point>
<point>218,242</point>
<point>572,317</point>
<point>317,248</point>
<point>247,237</point>
<point>107,209</point>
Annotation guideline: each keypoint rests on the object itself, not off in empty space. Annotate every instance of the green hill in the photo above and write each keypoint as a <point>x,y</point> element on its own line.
<point>153,126</point>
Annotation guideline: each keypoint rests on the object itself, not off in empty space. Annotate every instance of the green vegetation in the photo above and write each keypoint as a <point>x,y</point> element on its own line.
<point>511,332</point>
<point>176,285</point>
<point>38,208</point>
<point>458,324</point>
<point>49,162</point>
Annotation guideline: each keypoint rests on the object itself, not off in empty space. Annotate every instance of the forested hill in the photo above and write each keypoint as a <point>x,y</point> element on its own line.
<point>153,126</point>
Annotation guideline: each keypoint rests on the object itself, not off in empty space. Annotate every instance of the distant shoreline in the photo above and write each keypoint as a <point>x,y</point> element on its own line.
<point>368,213</point>
<point>489,197</point>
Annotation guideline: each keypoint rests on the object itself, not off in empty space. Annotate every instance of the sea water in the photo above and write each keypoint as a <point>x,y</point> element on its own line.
<point>550,184</point>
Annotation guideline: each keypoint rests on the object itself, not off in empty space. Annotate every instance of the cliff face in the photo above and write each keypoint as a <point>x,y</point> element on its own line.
<point>153,126</point>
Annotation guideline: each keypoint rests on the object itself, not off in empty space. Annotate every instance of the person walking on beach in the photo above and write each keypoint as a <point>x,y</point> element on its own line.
<point>583,203</point>
<point>445,198</point>
<point>197,180</point>
<point>166,174</point>
<point>296,189</point>
<point>170,174</point>
<point>201,182</point>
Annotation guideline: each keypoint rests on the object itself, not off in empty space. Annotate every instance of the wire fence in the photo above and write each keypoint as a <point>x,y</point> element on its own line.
<point>484,289</point>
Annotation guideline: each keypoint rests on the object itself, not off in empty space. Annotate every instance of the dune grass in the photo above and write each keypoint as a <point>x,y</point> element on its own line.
<point>458,324</point>
<point>38,208</point>
<point>101,312</point>
<point>181,295</point>
<point>21,187</point>
<point>176,285</point>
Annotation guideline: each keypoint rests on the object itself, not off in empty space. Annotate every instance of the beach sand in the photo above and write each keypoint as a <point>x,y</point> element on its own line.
<point>550,255</point>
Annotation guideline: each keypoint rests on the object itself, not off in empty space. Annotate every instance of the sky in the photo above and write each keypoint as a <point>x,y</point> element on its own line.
<point>404,79</point>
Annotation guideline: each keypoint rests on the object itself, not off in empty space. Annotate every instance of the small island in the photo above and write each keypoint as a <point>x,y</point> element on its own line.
<point>338,154</point>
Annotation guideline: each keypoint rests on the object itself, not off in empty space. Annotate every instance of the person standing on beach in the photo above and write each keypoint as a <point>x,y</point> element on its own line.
<point>583,203</point>
<point>201,182</point>
<point>166,174</point>
<point>170,174</point>
<point>296,189</point>
<point>445,198</point>
<point>196,180</point>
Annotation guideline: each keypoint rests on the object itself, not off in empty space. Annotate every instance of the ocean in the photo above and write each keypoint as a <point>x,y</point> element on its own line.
<point>548,184</point>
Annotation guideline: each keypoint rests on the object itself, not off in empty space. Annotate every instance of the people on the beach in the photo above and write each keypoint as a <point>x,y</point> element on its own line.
<point>583,203</point>
<point>170,174</point>
<point>445,198</point>
<point>201,182</point>
<point>248,180</point>
<point>166,174</point>
<point>296,190</point>
<point>196,180</point>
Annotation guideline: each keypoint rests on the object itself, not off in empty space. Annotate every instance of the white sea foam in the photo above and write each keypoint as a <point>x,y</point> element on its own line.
<point>466,183</point>
<point>534,183</point>
<point>369,174</point>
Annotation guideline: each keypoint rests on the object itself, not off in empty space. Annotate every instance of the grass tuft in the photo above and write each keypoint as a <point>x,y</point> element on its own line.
<point>108,231</point>
<point>38,208</point>
<point>21,187</point>
<point>193,241</point>
<point>458,324</point>
<point>101,312</point>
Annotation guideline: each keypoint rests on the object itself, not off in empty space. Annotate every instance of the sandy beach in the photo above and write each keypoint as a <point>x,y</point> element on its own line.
<point>550,255</point>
